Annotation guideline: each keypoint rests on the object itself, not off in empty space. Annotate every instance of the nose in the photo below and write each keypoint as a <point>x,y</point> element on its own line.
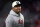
<point>19,7</point>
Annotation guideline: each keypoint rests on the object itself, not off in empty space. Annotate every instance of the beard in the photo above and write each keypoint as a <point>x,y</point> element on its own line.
<point>18,12</point>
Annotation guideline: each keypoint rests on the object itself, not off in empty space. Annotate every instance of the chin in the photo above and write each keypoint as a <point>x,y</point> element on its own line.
<point>18,12</point>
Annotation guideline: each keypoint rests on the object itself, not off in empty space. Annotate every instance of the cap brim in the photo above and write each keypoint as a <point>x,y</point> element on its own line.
<point>17,5</point>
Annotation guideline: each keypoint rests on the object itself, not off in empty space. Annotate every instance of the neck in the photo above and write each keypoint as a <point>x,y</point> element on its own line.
<point>18,13</point>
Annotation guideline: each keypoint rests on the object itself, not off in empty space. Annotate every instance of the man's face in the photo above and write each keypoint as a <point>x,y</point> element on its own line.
<point>17,9</point>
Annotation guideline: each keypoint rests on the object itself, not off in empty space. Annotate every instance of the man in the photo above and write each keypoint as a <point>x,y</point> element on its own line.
<point>15,18</point>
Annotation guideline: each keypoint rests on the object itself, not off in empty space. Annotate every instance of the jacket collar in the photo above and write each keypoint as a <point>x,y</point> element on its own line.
<point>13,13</point>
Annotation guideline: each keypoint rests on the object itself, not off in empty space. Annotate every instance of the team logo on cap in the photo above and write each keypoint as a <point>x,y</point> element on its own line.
<point>17,2</point>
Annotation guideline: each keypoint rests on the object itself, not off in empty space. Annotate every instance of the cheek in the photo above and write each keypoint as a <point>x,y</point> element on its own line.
<point>15,8</point>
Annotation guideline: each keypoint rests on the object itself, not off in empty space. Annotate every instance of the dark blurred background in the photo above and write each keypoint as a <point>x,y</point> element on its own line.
<point>30,10</point>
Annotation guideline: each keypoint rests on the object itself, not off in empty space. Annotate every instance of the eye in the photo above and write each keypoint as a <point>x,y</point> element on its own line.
<point>15,8</point>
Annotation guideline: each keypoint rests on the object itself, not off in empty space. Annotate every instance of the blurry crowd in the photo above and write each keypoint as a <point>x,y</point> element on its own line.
<point>31,14</point>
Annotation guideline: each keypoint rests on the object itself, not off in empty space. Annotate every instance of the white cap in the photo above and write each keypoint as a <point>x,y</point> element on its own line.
<point>15,3</point>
